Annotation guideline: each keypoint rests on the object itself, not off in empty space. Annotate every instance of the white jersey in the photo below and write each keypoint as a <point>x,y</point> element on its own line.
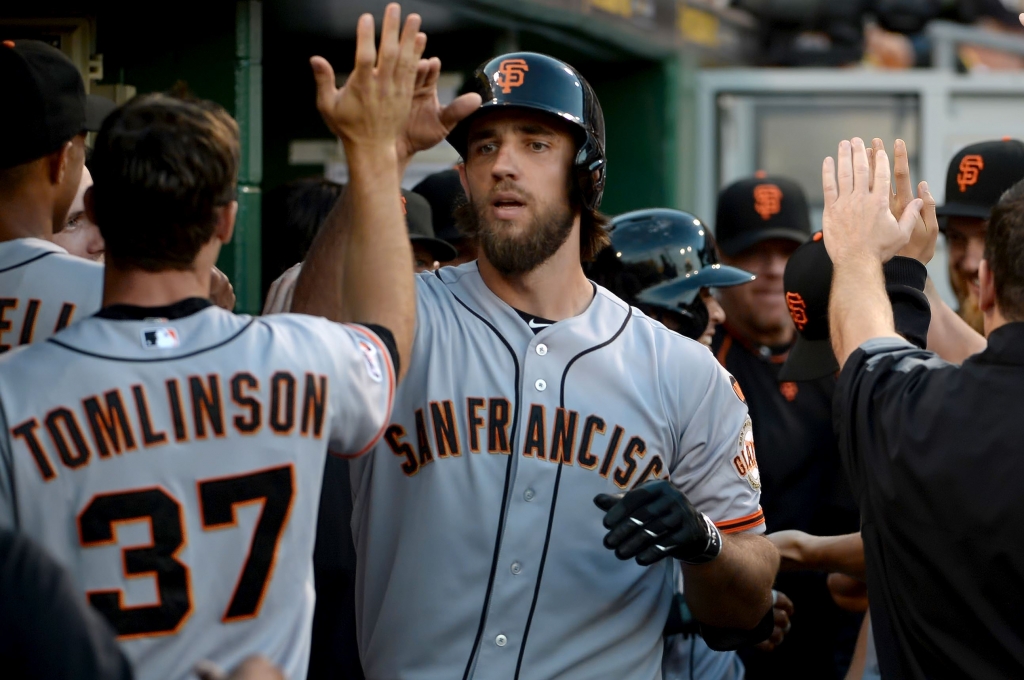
<point>282,290</point>
<point>480,550</point>
<point>43,289</point>
<point>174,467</point>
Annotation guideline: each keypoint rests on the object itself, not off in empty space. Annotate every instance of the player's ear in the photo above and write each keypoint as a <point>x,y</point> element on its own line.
<point>225,226</point>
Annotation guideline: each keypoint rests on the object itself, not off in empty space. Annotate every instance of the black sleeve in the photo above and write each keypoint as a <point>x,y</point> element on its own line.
<point>46,628</point>
<point>905,278</point>
<point>388,338</point>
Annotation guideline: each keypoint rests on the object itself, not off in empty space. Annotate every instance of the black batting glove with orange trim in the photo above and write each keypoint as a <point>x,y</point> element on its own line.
<point>656,520</point>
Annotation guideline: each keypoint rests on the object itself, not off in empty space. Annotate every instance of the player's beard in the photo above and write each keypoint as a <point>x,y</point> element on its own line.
<point>510,254</point>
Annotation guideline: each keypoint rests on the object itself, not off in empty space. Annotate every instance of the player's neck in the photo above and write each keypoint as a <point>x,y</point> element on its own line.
<point>140,288</point>
<point>557,289</point>
<point>23,215</point>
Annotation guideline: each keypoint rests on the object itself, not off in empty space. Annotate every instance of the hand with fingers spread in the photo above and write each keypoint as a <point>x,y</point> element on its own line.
<point>429,122</point>
<point>656,520</point>
<point>857,221</point>
<point>373,106</point>
<point>926,228</point>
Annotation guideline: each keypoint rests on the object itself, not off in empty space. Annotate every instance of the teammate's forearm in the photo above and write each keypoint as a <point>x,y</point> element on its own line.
<point>734,590</point>
<point>859,308</point>
<point>843,554</point>
<point>949,336</point>
<point>361,262</point>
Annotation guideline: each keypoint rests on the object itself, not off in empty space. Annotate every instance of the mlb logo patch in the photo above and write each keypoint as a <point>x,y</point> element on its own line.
<point>372,361</point>
<point>160,338</point>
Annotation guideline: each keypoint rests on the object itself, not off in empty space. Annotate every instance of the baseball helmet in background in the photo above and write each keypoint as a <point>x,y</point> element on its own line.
<point>527,80</point>
<point>661,258</point>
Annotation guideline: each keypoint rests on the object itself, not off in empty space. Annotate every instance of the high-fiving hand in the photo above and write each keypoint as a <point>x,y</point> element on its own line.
<point>429,122</point>
<point>926,228</point>
<point>373,106</point>
<point>857,221</point>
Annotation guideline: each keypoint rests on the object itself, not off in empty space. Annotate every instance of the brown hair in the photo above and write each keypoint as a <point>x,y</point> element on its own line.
<point>162,166</point>
<point>1004,252</point>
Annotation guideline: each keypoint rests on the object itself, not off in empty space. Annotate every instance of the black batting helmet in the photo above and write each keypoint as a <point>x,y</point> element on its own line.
<point>527,80</point>
<point>660,259</point>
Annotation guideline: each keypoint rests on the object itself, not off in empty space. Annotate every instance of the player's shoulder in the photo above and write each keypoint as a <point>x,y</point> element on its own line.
<point>36,253</point>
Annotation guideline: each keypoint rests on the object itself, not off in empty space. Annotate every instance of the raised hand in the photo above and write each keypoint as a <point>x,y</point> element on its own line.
<point>858,221</point>
<point>429,122</point>
<point>926,228</point>
<point>373,106</point>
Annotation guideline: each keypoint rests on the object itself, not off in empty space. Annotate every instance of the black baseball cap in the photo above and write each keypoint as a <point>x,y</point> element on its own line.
<point>443,190</point>
<point>46,101</point>
<point>421,232</point>
<point>807,281</point>
<point>759,209</point>
<point>978,175</point>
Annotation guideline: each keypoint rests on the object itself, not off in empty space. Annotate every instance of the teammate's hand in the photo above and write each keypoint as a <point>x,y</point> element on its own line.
<point>782,610</point>
<point>373,106</point>
<point>848,593</point>
<point>656,520</point>
<point>429,122</point>
<point>222,293</point>
<point>857,221</point>
<point>926,228</point>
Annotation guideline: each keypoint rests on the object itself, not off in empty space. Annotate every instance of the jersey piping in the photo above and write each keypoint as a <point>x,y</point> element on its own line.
<point>504,493</point>
<point>28,261</point>
<point>96,355</point>
<point>554,495</point>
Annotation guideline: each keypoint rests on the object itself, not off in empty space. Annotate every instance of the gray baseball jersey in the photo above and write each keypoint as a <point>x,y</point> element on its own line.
<point>43,289</point>
<point>174,466</point>
<point>479,546</point>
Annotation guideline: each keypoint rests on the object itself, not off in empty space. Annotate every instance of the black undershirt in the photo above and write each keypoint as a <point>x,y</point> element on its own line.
<point>536,323</point>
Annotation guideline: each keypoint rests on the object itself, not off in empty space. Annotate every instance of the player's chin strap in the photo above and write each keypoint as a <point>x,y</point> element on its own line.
<point>714,545</point>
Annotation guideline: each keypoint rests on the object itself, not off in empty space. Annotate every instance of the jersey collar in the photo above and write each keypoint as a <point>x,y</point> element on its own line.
<point>1006,345</point>
<point>178,310</point>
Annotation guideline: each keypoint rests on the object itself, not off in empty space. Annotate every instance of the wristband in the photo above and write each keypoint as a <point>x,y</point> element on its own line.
<point>714,546</point>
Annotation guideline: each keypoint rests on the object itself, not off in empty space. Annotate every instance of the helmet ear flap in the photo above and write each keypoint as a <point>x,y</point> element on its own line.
<point>590,172</point>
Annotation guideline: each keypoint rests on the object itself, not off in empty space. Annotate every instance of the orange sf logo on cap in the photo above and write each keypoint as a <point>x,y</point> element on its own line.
<point>797,309</point>
<point>767,200</point>
<point>511,73</point>
<point>970,167</point>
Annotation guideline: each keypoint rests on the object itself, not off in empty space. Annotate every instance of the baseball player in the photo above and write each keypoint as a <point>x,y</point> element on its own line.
<point>171,453</point>
<point>42,288</point>
<point>532,395</point>
<point>664,262</point>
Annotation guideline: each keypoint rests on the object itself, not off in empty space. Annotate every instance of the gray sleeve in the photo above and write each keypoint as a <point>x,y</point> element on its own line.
<point>361,388</point>
<point>715,466</point>
<point>8,507</point>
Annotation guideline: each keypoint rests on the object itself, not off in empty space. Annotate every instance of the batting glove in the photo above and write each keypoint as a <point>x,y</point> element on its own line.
<point>656,520</point>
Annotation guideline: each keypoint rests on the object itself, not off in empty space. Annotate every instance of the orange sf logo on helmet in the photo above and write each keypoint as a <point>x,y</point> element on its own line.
<point>970,167</point>
<point>511,73</point>
<point>767,200</point>
<point>797,309</point>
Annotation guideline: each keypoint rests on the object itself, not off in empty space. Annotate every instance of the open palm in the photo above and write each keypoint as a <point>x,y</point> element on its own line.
<point>428,121</point>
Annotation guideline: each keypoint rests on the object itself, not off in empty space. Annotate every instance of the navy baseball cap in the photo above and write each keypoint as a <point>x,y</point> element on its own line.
<point>443,191</point>
<point>421,232</point>
<point>47,104</point>
<point>807,281</point>
<point>760,209</point>
<point>978,175</point>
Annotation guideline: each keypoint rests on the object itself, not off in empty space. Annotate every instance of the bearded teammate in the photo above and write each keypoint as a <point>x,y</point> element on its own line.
<point>531,393</point>
<point>170,453</point>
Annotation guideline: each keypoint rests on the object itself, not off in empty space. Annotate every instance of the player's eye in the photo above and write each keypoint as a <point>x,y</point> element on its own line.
<point>73,221</point>
<point>485,148</point>
<point>539,146</point>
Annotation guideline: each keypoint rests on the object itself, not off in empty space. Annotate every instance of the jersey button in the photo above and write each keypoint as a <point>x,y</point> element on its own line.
<point>528,494</point>
<point>516,568</point>
<point>501,640</point>
<point>542,349</point>
<point>540,385</point>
